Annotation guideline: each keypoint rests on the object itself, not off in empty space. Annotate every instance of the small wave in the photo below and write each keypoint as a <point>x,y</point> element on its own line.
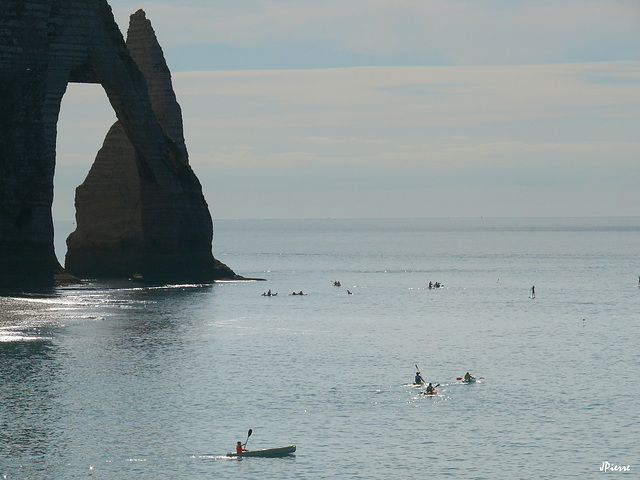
<point>143,288</point>
<point>248,280</point>
<point>46,300</point>
<point>9,336</point>
<point>185,285</point>
<point>214,456</point>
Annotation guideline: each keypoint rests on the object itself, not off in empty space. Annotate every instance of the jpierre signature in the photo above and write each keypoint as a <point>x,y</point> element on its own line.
<point>610,467</point>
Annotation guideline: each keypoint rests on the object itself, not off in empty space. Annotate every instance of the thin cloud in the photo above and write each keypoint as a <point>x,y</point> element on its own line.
<point>416,96</point>
<point>451,32</point>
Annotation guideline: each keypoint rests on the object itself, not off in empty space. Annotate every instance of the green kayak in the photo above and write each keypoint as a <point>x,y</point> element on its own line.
<point>267,452</point>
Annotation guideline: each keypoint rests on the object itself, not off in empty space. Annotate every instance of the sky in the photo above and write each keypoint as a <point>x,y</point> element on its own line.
<point>380,108</point>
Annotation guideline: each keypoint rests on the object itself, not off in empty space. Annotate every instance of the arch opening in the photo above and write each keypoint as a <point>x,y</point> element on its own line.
<point>85,116</point>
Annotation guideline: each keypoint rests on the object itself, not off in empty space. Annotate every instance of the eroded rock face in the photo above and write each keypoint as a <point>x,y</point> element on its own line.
<point>166,235</point>
<point>147,53</point>
<point>108,240</point>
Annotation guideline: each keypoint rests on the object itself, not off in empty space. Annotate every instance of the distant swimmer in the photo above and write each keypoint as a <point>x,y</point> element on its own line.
<point>349,293</point>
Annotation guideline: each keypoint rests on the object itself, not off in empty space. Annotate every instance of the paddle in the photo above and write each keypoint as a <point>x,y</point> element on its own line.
<point>248,435</point>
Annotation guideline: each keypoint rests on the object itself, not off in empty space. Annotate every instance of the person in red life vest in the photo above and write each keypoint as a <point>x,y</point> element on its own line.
<point>239,448</point>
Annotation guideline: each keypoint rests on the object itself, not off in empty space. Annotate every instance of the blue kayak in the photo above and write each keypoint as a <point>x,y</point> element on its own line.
<point>471,380</point>
<point>267,452</point>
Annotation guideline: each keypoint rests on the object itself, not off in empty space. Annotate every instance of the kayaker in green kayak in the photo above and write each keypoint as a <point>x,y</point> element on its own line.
<point>467,377</point>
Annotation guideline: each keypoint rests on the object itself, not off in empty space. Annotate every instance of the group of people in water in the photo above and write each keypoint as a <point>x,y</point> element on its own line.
<point>336,283</point>
<point>431,389</point>
<point>269,294</point>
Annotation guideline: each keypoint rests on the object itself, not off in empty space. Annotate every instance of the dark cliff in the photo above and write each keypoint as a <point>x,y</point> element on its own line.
<point>44,45</point>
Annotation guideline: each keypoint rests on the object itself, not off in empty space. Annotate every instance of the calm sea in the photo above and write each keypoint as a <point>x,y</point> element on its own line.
<point>120,381</point>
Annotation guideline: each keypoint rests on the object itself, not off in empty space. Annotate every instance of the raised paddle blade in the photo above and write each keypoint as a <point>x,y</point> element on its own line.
<point>248,435</point>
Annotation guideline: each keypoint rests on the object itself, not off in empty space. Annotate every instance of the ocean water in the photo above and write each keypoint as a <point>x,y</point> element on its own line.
<point>113,381</point>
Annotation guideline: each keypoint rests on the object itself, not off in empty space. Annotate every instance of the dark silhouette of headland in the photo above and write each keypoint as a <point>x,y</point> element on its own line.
<point>141,210</point>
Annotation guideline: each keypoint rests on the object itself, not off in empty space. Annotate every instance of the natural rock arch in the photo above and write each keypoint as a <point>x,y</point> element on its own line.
<point>44,45</point>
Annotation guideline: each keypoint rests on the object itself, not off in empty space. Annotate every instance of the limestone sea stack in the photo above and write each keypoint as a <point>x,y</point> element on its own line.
<point>110,237</point>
